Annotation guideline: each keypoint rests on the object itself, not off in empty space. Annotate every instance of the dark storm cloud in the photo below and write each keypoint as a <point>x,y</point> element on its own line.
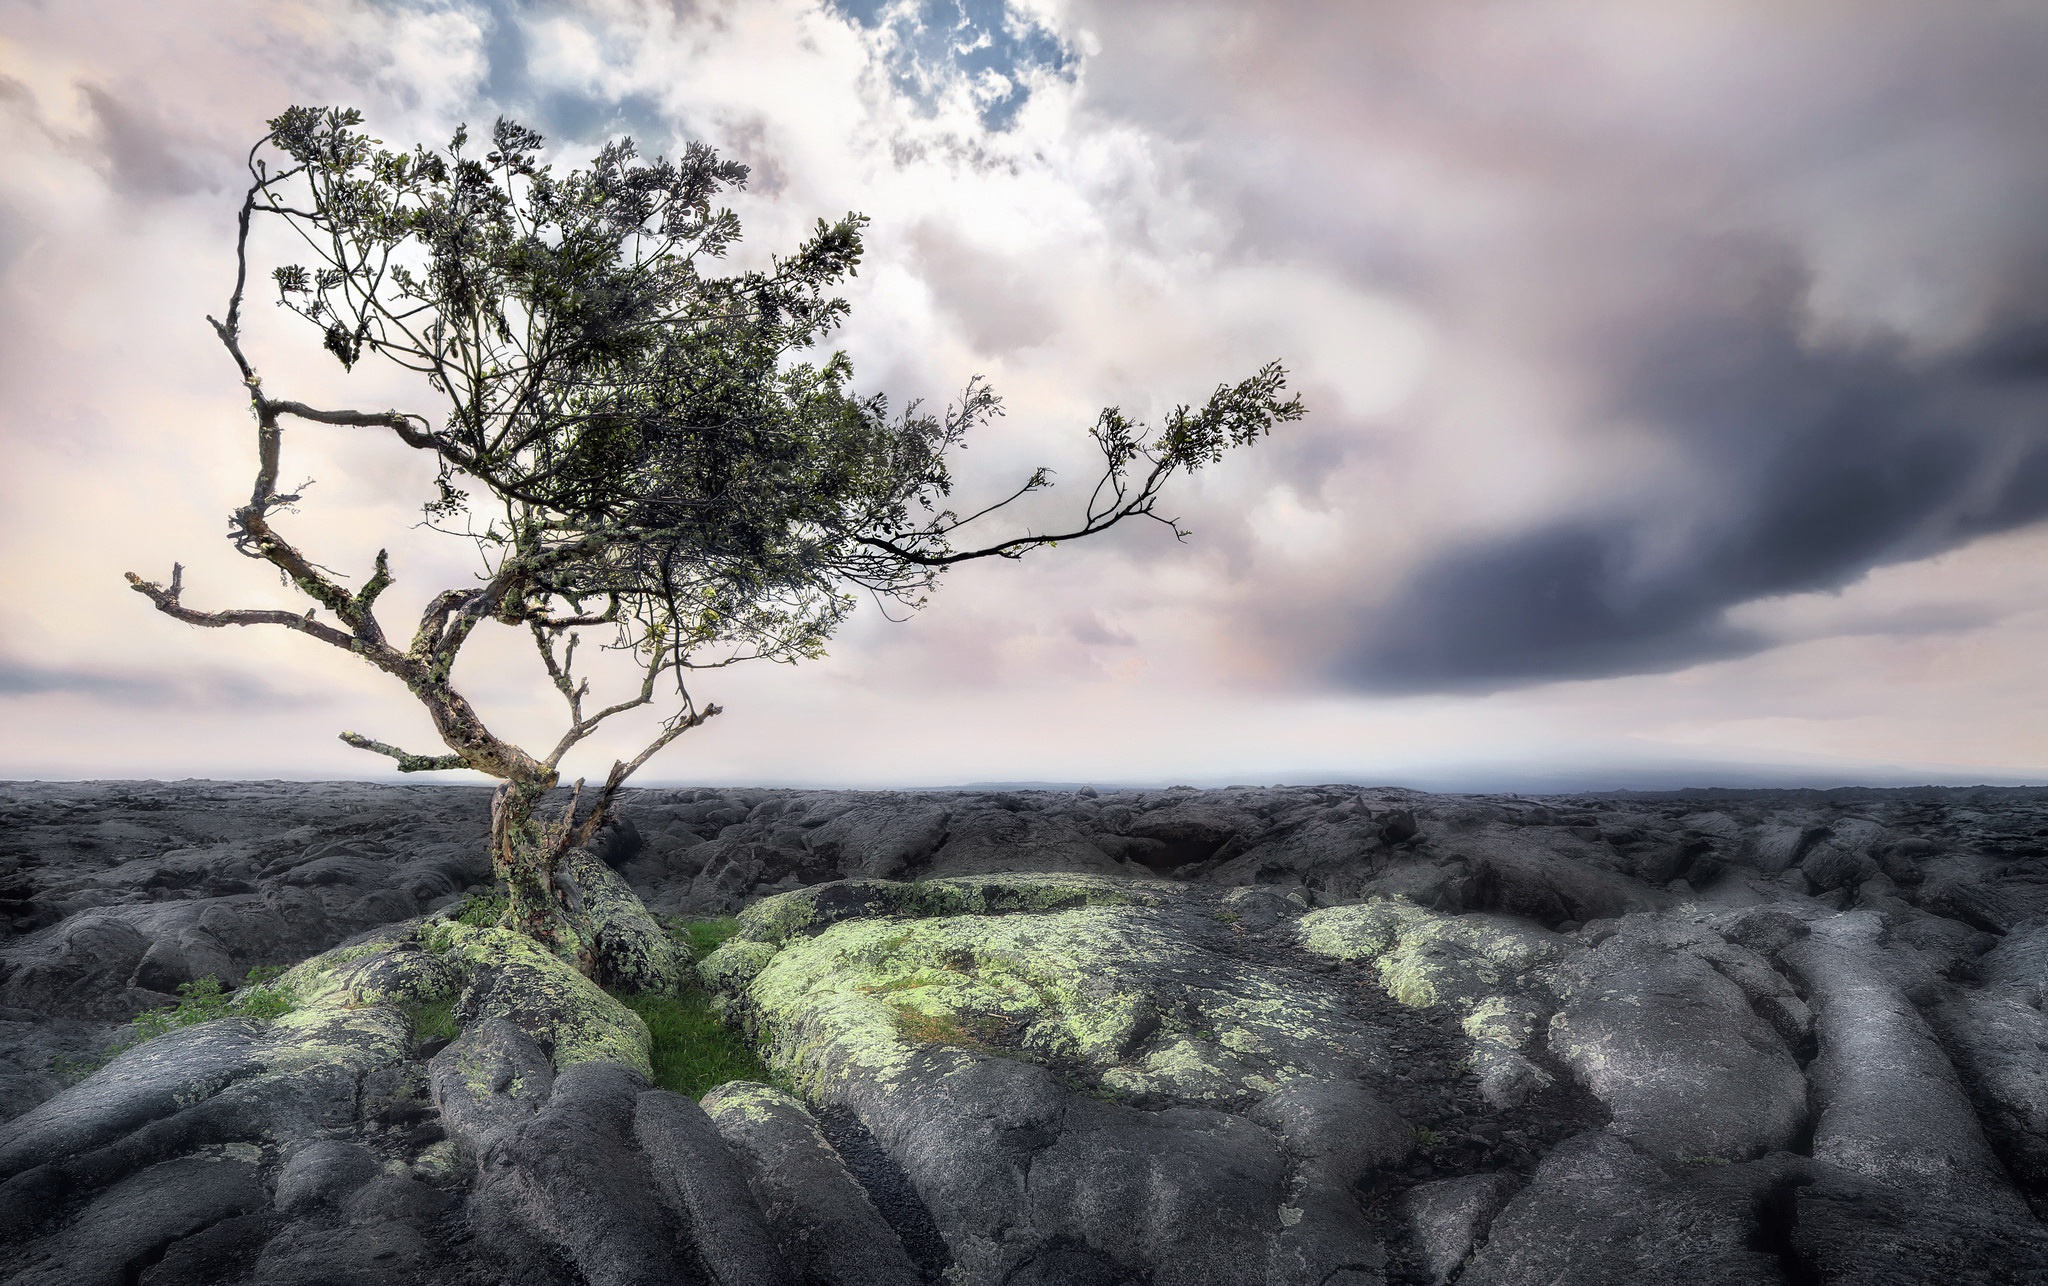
<point>1804,467</point>
<point>1789,264</point>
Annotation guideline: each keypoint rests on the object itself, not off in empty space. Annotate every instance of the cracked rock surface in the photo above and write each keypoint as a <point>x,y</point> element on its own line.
<point>1318,1035</point>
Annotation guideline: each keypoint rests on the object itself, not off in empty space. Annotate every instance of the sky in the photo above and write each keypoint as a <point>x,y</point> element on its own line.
<point>1677,379</point>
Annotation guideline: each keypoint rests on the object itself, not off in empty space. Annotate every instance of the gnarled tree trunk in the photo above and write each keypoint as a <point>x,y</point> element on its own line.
<point>526,853</point>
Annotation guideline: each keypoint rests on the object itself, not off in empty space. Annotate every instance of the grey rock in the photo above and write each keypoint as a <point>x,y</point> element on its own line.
<point>491,1079</point>
<point>144,1085</point>
<point>826,1225</point>
<point>571,1183</point>
<point>128,1224</point>
<point>1598,1212</point>
<point>1891,1107</point>
<point>325,1172</point>
<point>881,840</point>
<point>1445,1220</point>
<point>1674,1048</point>
<point>697,1177</point>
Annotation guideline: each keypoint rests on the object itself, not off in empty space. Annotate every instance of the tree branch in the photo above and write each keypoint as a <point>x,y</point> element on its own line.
<point>167,602</point>
<point>681,724</point>
<point>407,761</point>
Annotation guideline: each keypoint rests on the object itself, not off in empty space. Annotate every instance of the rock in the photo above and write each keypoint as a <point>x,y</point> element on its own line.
<point>882,840</point>
<point>571,1183</point>
<point>325,1172</point>
<point>1675,1050</point>
<point>1599,1212</point>
<point>1446,1219</point>
<point>827,1227</point>
<point>1841,1227</point>
<point>491,1079</point>
<point>698,1178</point>
<point>1349,1017</point>
<point>129,1224</point>
<point>983,840</point>
<point>1890,1106</point>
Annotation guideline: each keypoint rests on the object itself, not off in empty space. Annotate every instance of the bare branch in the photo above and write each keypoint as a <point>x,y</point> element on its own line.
<point>167,602</point>
<point>407,761</point>
<point>676,727</point>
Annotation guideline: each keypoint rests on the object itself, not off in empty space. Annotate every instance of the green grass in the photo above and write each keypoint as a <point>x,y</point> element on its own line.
<point>433,1019</point>
<point>693,1051</point>
<point>704,935</point>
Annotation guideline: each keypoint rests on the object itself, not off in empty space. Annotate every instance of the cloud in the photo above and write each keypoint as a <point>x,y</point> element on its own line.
<point>207,688</point>
<point>140,153</point>
<point>1720,304</point>
<point>1800,468</point>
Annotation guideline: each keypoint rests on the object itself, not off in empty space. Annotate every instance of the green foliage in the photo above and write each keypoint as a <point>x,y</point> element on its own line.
<point>665,450</point>
<point>482,910</point>
<point>204,1000</point>
<point>433,1020</point>
<point>694,1051</point>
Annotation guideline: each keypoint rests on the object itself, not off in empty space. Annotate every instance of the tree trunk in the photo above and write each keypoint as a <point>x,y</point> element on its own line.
<point>526,853</point>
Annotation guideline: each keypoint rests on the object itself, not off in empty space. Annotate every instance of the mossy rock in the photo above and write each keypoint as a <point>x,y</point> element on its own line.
<point>1103,981</point>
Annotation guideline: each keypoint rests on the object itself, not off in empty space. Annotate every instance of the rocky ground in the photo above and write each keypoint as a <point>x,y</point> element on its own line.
<point>1321,1035</point>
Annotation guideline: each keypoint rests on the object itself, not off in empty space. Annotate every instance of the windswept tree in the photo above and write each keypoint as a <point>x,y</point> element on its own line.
<point>642,449</point>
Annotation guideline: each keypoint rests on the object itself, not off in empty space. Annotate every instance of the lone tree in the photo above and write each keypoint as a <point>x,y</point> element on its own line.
<point>636,446</point>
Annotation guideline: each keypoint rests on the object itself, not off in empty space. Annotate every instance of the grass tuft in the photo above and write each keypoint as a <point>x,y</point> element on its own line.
<point>435,1019</point>
<point>694,1052</point>
<point>204,999</point>
<point>703,935</point>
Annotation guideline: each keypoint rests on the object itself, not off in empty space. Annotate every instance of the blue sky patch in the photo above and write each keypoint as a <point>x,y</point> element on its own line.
<point>936,42</point>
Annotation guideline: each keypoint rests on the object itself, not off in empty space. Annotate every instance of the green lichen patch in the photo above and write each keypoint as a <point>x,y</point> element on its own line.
<point>1116,996</point>
<point>1427,959</point>
<point>754,1102</point>
<point>808,911</point>
<point>390,970</point>
<point>508,975</point>
<point>1494,971</point>
<point>630,950</point>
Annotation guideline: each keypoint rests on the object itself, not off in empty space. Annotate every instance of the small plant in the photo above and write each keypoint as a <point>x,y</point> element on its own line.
<point>203,1001</point>
<point>1224,915</point>
<point>71,1068</point>
<point>1428,1138</point>
<point>482,910</point>
<point>693,1051</point>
